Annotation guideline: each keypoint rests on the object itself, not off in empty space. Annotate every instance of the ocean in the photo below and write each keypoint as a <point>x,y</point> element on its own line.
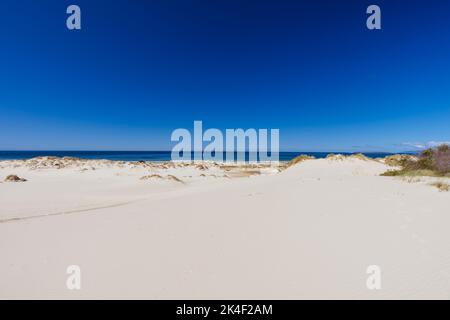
<point>149,155</point>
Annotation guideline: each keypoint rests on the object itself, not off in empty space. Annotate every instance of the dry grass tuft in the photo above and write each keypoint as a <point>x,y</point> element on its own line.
<point>299,159</point>
<point>173,178</point>
<point>442,186</point>
<point>411,179</point>
<point>335,157</point>
<point>151,176</point>
<point>14,178</point>
<point>359,156</point>
<point>159,177</point>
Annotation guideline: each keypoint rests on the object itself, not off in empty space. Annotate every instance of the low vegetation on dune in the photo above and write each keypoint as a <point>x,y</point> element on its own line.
<point>431,162</point>
<point>330,156</point>
<point>342,157</point>
<point>335,157</point>
<point>299,159</point>
<point>396,160</point>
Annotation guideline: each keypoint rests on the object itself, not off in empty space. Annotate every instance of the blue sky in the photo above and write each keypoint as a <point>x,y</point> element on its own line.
<point>137,70</point>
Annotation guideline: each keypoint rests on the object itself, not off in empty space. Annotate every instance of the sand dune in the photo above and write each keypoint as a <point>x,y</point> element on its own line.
<point>242,232</point>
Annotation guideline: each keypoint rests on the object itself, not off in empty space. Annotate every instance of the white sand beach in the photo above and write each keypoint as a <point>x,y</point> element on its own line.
<point>213,231</point>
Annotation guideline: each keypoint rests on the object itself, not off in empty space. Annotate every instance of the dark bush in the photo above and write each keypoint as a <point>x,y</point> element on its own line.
<point>425,160</point>
<point>441,159</point>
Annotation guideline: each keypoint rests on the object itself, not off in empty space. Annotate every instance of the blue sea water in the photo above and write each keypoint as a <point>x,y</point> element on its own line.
<point>146,155</point>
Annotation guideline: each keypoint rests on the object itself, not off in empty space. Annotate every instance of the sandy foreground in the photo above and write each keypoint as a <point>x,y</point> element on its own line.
<point>211,231</point>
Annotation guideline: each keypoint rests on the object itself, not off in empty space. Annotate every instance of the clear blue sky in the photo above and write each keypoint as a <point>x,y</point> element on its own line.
<point>139,69</point>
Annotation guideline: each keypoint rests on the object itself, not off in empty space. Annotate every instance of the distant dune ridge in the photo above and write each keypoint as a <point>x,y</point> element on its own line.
<point>307,228</point>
